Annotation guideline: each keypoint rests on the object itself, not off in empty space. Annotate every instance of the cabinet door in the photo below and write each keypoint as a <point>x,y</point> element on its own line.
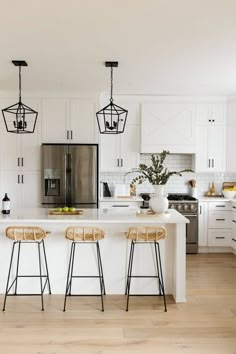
<point>202,224</point>
<point>129,147</point>
<point>217,147</point>
<point>231,148</point>
<point>9,149</point>
<point>210,154</point>
<point>109,152</point>
<point>10,184</point>
<point>55,121</point>
<point>211,114</point>
<point>30,192</point>
<point>218,113</point>
<point>31,143</point>
<point>221,237</point>
<point>168,126</point>
<point>82,121</point>
<point>202,160</point>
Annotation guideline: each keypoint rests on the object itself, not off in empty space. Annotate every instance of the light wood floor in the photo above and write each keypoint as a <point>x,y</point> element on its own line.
<point>205,324</point>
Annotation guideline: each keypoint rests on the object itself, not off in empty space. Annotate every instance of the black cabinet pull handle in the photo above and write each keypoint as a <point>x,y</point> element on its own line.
<point>120,206</point>
<point>220,219</point>
<point>22,179</point>
<point>220,206</point>
<point>209,163</point>
<point>234,207</point>
<point>67,134</point>
<point>71,134</point>
<point>22,161</point>
<point>234,221</point>
<point>18,179</point>
<point>18,161</point>
<point>212,163</point>
<point>220,237</point>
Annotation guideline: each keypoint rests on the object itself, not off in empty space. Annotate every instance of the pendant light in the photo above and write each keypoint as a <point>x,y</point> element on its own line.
<point>112,118</point>
<point>20,118</point>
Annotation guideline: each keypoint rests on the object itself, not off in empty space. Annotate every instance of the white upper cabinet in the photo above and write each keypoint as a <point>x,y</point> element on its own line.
<point>211,113</point>
<point>23,150</point>
<point>69,121</point>
<point>83,121</point>
<point>55,121</point>
<point>121,152</point>
<point>211,137</point>
<point>168,126</point>
<point>210,154</point>
<point>231,137</point>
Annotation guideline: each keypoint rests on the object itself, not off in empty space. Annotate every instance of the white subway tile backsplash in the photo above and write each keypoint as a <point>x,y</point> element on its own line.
<point>176,184</point>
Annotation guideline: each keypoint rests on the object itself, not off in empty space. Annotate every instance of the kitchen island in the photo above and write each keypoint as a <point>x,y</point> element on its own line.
<point>114,251</point>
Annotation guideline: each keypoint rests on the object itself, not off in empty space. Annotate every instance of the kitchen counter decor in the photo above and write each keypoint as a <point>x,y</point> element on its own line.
<point>157,174</point>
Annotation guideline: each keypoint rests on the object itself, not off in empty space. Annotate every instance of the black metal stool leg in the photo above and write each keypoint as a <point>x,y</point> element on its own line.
<point>68,281</point>
<point>158,271</point>
<point>17,265</point>
<point>128,271</point>
<point>8,277</point>
<point>100,275</point>
<point>161,274</point>
<point>40,275</point>
<point>130,274</point>
<point>72,268</point>
<point>100,262</point>
<point>46,265</point>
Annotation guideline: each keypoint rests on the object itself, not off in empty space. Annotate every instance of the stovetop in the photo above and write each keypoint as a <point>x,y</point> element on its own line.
<point>181,197</point>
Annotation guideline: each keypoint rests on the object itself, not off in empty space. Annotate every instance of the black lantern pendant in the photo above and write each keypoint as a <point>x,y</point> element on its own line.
<point>20,118</point>
<point>112,118</point>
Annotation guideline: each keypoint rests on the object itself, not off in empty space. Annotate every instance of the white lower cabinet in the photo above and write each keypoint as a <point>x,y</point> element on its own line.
<point>22,188</point>
<point>203,224</point>
<point>219,237</point>
<point>233,242</point>
<point>219,224</point>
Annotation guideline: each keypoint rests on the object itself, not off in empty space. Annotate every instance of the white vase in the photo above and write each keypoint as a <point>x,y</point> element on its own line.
<point>159,202</point>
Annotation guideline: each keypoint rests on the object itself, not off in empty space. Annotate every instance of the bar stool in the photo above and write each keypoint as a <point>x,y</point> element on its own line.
<point>140,235</point>
<point>27,235</point>
<point>84,235</point>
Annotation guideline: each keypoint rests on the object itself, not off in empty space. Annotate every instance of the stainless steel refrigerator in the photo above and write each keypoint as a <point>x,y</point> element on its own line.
<point>70,175</point>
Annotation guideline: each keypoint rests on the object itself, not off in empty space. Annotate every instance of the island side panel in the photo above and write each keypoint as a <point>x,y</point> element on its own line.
<point>179,263</point>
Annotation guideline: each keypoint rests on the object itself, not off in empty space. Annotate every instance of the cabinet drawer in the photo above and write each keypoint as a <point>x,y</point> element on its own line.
<point>221,238</point>
<point>119,205</point>
<point>220,206</point>
<point>220,219</point>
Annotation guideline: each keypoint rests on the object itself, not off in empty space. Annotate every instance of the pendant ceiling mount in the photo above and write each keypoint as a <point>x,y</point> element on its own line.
<point>20,118</point>
<point>112,118</point>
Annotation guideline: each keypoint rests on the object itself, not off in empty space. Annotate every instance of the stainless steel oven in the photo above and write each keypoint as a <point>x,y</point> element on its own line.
<point>188,206</point>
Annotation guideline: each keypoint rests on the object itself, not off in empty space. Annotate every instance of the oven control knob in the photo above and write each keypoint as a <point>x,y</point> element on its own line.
<point>192,207</point>
<point>172,206</point>
<point>179,206</point>
<point>185,207</point>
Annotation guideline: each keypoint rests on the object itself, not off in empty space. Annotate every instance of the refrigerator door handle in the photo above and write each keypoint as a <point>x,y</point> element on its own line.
<point>69,181</point>
<point>65,177</point>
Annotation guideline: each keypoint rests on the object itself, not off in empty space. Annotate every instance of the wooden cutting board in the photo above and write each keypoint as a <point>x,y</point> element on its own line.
<point>76,212</point>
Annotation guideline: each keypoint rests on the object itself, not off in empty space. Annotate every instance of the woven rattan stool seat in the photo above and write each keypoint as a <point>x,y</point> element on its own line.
<point>84,233</point>
<point>146,233</point>
<point>25,233</point>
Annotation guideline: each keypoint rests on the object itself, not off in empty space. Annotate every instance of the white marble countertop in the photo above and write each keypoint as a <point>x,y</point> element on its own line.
<point>91,216</point>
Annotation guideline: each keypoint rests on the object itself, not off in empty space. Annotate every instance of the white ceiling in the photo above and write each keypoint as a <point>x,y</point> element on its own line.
<point>163,46</point>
